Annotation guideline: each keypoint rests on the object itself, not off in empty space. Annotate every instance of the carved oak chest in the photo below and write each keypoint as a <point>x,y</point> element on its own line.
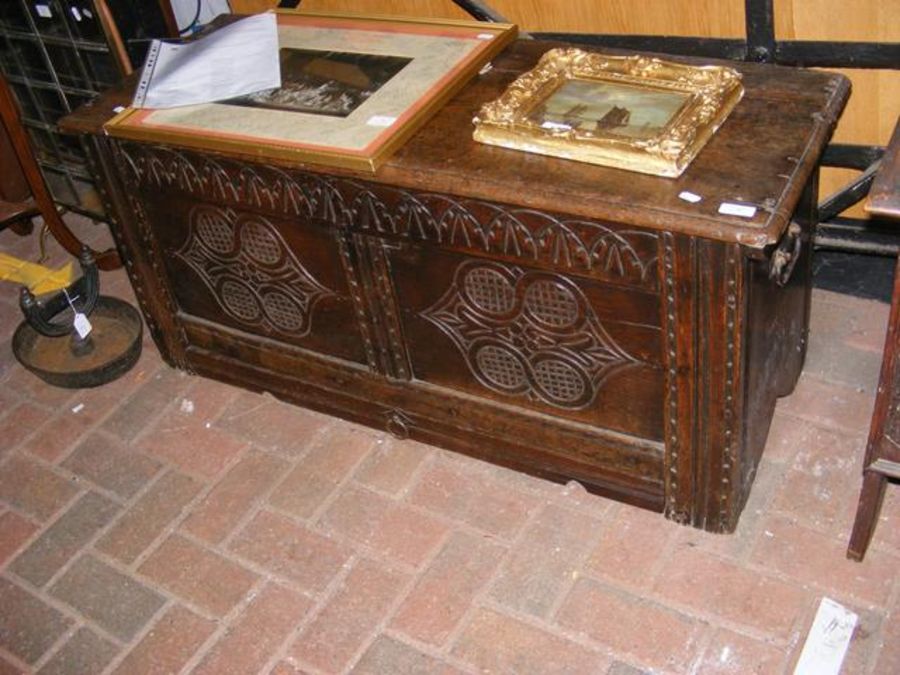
<point>569,320</point>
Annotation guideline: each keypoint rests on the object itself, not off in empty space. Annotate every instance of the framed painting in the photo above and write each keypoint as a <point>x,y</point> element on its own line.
<point>630,112</point>
<point>354,88</point>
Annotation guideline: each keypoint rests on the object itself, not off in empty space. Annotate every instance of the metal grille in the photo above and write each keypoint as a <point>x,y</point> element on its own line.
<point>55,56</point>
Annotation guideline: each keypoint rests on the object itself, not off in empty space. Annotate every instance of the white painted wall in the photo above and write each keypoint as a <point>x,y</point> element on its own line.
<point>209,9</point>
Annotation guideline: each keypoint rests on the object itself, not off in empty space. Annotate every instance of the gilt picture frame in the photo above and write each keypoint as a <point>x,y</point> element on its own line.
<point>630,112</point>
<point>354,89</point>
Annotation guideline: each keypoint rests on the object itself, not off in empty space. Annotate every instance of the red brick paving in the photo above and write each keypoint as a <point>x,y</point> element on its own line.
<point>259,630</point>
<point>169,644</point>
<point>350,617</point>
<point>177,524</point>
<point>15,530</point>
<point>199,575</point>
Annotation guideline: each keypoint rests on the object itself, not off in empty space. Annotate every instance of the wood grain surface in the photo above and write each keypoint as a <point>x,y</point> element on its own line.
<point>872,110</point>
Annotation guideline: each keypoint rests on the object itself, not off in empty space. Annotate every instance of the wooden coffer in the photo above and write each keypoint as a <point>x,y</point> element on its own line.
<point>642,363</point>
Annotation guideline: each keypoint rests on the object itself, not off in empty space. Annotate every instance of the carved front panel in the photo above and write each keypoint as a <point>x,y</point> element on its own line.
<point>259,274</point>
<point>528,334</point>
<point>532,309</point>
<point>531,338</point>
<point>250,272</point>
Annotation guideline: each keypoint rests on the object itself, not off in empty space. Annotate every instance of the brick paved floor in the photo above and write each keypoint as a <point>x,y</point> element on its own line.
<point>167,523</point>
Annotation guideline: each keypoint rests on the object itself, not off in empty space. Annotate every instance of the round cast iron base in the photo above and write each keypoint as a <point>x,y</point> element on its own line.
<point>114,347</point>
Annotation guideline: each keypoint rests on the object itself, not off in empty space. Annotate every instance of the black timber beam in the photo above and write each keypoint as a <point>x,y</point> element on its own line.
<point>760,22</point>
<point>712,48</point>
<point>847,156</point>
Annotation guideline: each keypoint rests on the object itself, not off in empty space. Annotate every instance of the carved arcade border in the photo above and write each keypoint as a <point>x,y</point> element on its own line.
<point>619,256</point>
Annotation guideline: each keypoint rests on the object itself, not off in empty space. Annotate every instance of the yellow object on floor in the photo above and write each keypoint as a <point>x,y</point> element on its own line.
<point>37,278</point>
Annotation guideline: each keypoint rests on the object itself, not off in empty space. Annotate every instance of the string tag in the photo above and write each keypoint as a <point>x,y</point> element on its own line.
<point>81,323</point>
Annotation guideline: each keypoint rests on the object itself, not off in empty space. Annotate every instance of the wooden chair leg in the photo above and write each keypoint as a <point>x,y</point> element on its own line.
<point>870,498</point>
<point>9,117</point>
<point>22,227</point>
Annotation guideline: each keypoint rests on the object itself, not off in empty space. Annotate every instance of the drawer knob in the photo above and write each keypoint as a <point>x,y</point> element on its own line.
<point>398,425</point>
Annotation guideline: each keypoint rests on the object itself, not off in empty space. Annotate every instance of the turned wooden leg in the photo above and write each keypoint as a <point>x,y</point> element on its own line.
<point>870,498</point>
<point>22,227</point>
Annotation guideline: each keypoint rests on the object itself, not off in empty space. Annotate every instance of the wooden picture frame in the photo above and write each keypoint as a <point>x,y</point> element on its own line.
<point>422,62</point>
<point>630,112</point>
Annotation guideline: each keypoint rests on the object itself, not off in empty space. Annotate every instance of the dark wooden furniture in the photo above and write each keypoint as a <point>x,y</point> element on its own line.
<point>58,54</point>
<point>38,198</point>
<point>16,205</point>
<point>882,461</point>
<point>573,321</point>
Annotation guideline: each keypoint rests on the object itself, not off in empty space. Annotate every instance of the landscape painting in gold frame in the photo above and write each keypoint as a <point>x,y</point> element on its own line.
<point>354,89</point>
<point>630,112</point>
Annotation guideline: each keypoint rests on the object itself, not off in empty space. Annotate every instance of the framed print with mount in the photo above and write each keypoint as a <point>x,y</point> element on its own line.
<point>629,112</point>
<point>354,88</point>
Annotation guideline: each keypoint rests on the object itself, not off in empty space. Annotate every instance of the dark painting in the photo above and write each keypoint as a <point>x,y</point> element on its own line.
<point>325,82</point>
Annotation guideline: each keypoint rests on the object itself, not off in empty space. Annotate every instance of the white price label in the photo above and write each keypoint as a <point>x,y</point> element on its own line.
<point>690,197</point>
<point>828,639</point>
<point>556,126</point>
<point>742,210</point>
<point>485,36</point>
<point>76,13</point>
<point>380,121</point>
<point>82,325</point>
<point>43,11</point>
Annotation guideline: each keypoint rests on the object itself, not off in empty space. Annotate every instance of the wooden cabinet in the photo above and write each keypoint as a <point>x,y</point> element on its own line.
<point>573,321</point>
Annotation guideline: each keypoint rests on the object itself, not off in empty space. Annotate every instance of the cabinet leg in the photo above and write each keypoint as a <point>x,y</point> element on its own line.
<point>870,498</point>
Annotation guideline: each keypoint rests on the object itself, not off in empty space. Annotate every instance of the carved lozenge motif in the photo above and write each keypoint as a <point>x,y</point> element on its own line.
<point>527,333</point>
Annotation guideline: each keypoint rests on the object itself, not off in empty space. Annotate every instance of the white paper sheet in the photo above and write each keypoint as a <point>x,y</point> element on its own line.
<point>238,59</point>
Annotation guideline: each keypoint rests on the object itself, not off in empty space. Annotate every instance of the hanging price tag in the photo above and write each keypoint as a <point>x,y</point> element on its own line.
<point>82,325</point>
<point>43,11</point>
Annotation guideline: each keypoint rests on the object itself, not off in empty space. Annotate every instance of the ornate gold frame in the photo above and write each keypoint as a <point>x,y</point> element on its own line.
<point>484,40</point>
<point>712,92</point>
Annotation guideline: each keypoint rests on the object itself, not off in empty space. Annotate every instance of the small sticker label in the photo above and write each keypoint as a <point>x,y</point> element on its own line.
<point>76,13</point>
<point>380,121</point>
<point>690,197</point>
<point>826,644</point>
<point>561,126</point>
<point>742,210</point>
<point>485,36</point>
<point>88,13</point>
<point>43,11</point>
<point>82,325</point>
<point>118,108</point>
